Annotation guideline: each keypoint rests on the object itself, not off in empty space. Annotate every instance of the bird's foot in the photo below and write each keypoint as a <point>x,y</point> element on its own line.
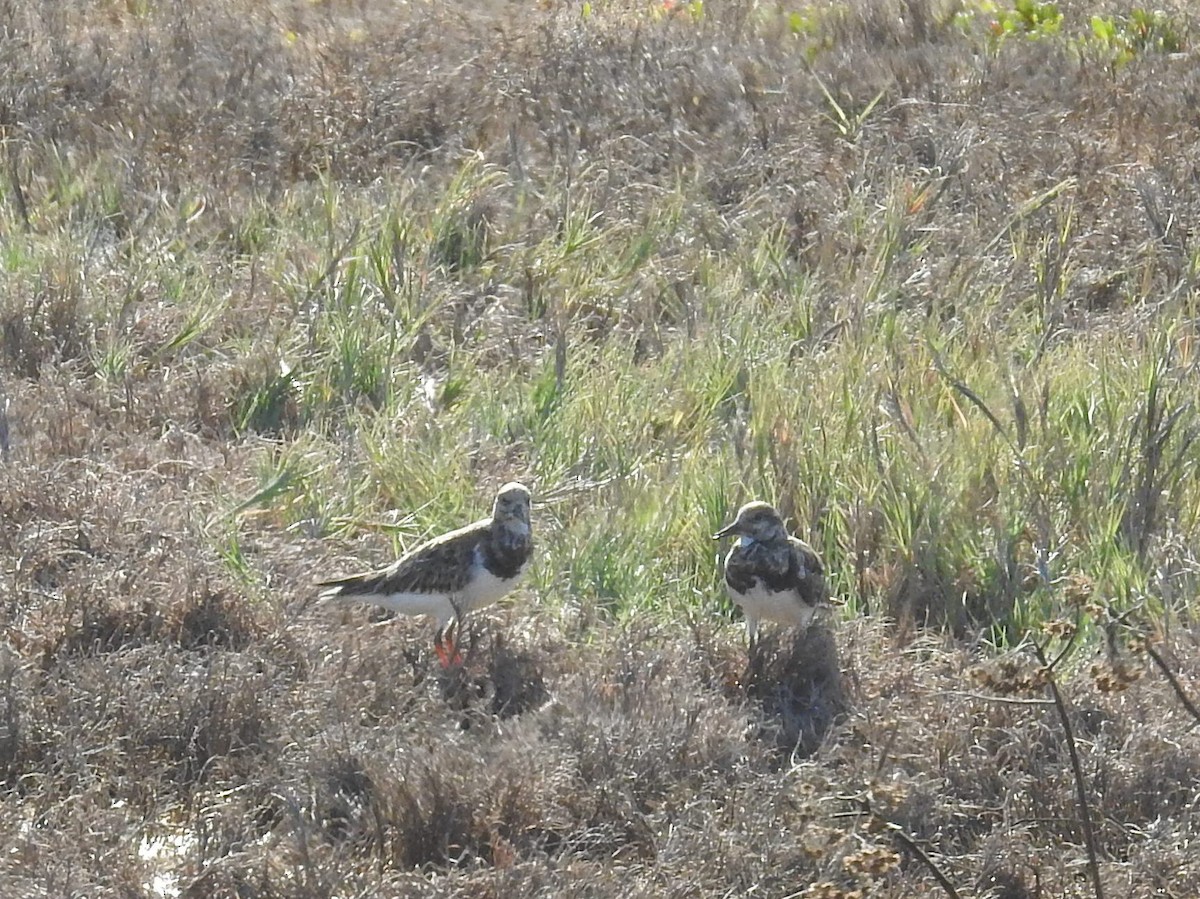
<point>446,648</point>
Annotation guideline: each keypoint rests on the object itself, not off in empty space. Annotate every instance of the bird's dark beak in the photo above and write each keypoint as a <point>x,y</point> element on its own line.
<point>725,531</point>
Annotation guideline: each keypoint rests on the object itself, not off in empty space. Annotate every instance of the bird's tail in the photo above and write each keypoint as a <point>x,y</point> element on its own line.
<point>339,588</point>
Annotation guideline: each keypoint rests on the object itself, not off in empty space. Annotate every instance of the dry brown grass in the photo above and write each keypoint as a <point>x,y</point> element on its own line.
<point>175,704</point>
<point>306,753</point>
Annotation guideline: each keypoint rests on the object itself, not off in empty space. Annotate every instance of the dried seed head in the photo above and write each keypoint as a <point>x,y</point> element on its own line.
<point>1137,643</point>
<point>1078,590</point>
<point>871,863</point>
<point>890,794</point>
<point>1059,628</point>
<point>1113,677</point>
<point>875,824</point>
<point>816,841</point>
<point>1009,675</point>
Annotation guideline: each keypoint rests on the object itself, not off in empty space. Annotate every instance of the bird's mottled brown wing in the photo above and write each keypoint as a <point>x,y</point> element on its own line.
<point>809,572</point>
<point>442,565</point>
<point>807,556</point>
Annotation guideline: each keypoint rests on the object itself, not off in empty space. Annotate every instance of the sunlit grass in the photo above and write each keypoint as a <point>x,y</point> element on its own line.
<point>287,289</point>
<point>953,449</point>
<point>951,470</point>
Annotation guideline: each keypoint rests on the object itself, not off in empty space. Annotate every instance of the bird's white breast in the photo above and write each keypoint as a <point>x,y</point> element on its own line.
<point>785,607</point>
<point>485,588</point>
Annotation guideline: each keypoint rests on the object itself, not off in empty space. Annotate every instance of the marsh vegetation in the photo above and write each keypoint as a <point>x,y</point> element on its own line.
<point>287,287</point>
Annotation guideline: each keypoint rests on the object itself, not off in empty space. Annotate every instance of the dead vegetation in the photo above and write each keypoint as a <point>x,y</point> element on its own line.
<point>296,751</point>
<point>272,269</point>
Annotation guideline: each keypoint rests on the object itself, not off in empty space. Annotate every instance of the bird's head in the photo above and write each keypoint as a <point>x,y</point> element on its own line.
<point>757,520</point>
<point>510,512</point>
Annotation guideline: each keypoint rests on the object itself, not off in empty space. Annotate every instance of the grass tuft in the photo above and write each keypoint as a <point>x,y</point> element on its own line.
<point>286,289</point>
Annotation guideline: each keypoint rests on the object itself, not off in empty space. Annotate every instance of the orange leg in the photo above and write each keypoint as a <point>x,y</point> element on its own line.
<point>445,647</point>
<point>440,650</point>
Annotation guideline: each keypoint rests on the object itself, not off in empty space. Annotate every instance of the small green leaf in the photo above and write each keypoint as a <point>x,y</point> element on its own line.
<point>265,495</point>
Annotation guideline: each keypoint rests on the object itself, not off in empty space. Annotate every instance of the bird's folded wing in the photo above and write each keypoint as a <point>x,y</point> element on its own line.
<point>809,573</point>
<point>807,557</point>
<point>442,566</point>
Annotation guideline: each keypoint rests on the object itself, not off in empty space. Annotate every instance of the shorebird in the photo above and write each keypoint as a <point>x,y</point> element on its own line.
<point>769,573</point>
<point>453,574</point>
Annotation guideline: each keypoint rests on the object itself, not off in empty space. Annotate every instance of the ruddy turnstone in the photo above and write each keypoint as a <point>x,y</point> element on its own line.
<point>769,573</point>
<point>453,574</point>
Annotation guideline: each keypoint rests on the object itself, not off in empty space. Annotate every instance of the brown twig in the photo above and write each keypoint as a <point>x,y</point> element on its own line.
<point>1085,811</point>
<point>14,179</point>
<point>986,697</point>
<point>1173,681</point>
<point>902,838</point>
<point>909,844</point>
<point>1068,646</point>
